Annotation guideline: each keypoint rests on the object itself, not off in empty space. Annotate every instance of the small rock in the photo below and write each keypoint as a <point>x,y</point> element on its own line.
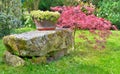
<point>12,60</point>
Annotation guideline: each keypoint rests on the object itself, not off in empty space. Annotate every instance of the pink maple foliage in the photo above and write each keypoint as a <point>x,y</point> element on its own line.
<point>73,17</point>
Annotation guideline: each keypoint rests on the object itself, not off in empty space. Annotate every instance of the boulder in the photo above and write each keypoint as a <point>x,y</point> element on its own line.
<point>38,43</point>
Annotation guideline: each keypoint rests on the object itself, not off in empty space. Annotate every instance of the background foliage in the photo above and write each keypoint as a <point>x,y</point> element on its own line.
<point>110,9</point>
<point>10,16</point>
<point>46,4</point>
<point>31,4</point>
<point>4,28</point>
<point>11,11</point>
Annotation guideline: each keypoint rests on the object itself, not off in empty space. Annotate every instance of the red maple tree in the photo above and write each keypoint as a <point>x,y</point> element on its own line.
<point>75,18</point>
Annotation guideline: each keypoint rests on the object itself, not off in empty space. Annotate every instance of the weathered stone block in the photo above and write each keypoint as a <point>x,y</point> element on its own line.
<point>38,43</point>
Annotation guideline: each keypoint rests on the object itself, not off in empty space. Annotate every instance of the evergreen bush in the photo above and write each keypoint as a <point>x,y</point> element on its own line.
<point>10,16</point>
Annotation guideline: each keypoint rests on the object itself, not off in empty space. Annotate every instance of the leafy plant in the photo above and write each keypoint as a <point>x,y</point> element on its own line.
<point>10,16</point>
<point>110,9</point>
<point>28,21</point>
<point>4,28</point>
<point>74,18</point>
<point>31,4</point>
<point>45,15</point>
<point>46,4</point>
<point>0,5</point>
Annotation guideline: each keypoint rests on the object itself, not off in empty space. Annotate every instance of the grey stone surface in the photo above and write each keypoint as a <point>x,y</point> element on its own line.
<point>38,43</point>
<point>56,55</point>
<point>13,60</point>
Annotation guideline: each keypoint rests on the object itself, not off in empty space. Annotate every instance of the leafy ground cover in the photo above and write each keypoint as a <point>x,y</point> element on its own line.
<point>84,60</point>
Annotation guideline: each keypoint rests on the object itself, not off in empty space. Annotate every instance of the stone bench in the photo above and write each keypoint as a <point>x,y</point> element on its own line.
<point>42,45</point>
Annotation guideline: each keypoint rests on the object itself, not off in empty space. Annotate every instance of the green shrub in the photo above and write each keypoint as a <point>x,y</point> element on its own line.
<point>27,20</point>
<point>46,4</point>
<point>110,9</point>
<point>4,27</point>
<point>12,8</point>
<point>96,2</point>
<point>0,5</point>
<point>45,15</point>
<point>10,16</point>
<point>30,4</point>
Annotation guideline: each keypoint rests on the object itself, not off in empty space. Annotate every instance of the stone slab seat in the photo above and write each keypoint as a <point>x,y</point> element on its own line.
<point>38,43</point>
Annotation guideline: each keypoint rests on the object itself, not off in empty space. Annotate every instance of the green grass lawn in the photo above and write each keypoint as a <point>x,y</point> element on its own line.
<point>83,60</point>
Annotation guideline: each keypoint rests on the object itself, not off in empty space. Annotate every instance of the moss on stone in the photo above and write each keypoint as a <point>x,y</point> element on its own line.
<point>21,44</point>
<point>38,60</point>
